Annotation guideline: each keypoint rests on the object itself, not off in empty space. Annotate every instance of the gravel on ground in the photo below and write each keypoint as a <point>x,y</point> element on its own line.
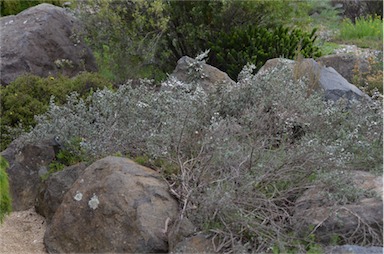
<point>22,232</point>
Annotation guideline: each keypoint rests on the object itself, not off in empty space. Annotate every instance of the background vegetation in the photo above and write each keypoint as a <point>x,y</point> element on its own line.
<point>127,47</point>
<point>144,39</point>
<point>234,49</point>
<point>366,32</point>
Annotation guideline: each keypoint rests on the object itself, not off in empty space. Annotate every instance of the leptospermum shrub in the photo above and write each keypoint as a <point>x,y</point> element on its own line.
<point>240,156</point>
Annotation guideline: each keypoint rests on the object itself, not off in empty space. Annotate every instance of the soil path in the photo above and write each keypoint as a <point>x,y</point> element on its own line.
<point>22,232</point>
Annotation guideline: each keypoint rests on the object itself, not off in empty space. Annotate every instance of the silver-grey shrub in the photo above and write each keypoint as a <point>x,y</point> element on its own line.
<point>243,153</point>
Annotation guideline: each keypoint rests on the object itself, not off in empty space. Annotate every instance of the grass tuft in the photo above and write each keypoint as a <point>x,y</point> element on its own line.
<point>366,32</point>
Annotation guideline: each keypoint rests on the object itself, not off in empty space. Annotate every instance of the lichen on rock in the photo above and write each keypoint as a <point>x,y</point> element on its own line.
<point>94,202</point>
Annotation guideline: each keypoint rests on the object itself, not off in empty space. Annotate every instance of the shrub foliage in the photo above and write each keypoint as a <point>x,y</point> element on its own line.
<point>256,45</point>
<point>234,158</point>
<point>144,39</point>
<point>29,95</point>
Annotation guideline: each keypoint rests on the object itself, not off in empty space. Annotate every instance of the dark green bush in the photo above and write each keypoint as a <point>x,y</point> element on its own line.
<point>144,39</point>
<point>29,95</point>
<point>231,51</point>
<point>195,26</point>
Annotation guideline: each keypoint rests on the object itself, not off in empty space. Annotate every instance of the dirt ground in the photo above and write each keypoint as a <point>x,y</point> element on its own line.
<point>22,232</point>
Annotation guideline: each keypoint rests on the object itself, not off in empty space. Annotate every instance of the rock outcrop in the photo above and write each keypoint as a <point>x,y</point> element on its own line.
<point>347,65</point>
<point>116,205</point>
<point>43,40</point>
<point>52,190</point>
<point>25,170</point>
<point>206,75</point>
<point>195,244</point>
<point>318,77</point>
<point>353,249</point>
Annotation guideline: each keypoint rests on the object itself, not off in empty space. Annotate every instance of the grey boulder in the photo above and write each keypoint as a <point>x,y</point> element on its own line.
<point>316,77</point>
<point>43,40</point>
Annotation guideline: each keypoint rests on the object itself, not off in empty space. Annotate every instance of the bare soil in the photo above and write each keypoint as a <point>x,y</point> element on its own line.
<point>22,232</point>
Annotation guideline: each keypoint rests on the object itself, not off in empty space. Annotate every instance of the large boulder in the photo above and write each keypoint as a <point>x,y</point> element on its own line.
<point>317,77</point>
<point>52,190</point>
<point>195,244</point>
<point>26,166</point>
<point>43,40</point>
<point>189,70</point>
<point>347,65</point>
<point>356,221</point>
<point>116,205</point>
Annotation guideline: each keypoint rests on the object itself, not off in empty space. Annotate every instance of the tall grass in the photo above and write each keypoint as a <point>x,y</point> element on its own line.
<point>364,27</point>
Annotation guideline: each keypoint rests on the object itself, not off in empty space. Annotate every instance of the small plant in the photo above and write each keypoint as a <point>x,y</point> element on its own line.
<point>307,245</point>
<point>143,160</point>
<point>71,153</point>
<point>370,81</point>
<point>5,199</point>
<point>327,48</point>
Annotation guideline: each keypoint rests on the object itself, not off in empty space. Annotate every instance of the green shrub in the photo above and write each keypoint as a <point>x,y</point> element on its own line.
<point>5,199</point>
<point>231,51</point>
<point>124,36</point>
<point>144,39</point>
<point>194,26</point>
<point>29,95</point>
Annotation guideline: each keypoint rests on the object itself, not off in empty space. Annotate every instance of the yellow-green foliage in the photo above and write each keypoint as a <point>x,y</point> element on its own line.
<point>5,199</point>
<point>365,32</point>
<point>29,95</point>
<point>363,27</point>
<point>124,36</point>
<point>12,7</point>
